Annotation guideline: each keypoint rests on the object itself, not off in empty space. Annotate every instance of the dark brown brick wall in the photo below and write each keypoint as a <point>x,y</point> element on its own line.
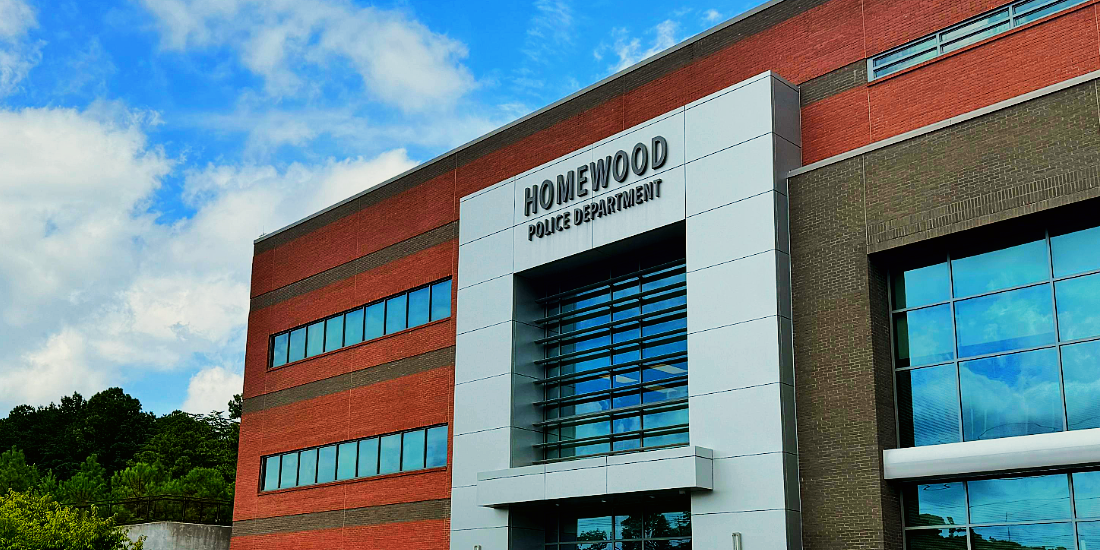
<point>1032,157</point>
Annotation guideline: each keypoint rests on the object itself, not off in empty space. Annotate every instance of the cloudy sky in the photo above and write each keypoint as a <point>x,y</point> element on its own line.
<point>144,144</point>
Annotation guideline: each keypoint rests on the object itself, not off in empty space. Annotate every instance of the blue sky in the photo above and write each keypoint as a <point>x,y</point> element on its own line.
<point>145,143</point>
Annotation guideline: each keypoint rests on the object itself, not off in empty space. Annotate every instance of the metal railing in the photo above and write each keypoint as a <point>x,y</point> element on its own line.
<point>163,508</point>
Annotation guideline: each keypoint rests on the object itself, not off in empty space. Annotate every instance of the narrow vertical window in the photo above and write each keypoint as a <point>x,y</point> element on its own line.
<point>289,471</point>
<point>375,321</point>
<point>419,306</point>
<point>396,310</point>
<point>315,339</point>
<point>389,460</point>
<point>441,300</point>
<point>297,345</point>
<point>368,457</point>
<point>412,450</point>
<point>279,349</point>
<point>326,464</point>
<point>345,462</point>
<point>334,333</point>
<point>436,455</point>
<point>353,327</point>
<point>307,467</point>
<point>271,473</point>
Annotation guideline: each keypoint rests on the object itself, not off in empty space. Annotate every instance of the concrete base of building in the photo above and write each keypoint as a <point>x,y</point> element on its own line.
<point>170,535</point>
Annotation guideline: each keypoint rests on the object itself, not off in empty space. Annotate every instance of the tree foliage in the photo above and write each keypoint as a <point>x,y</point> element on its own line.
<point>15,473</point>
<point>30,521</point>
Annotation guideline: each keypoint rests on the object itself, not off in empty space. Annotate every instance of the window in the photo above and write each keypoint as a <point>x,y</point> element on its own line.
<point>406,310</point>
<point>616,363</point>
<point>1032,512</point>
<point>400,452</point>
<point>999,343</point>
<point>653,527</point>
<point>964,34</point>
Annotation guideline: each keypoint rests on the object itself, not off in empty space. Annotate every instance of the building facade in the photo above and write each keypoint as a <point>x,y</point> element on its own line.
<point>825,276</point>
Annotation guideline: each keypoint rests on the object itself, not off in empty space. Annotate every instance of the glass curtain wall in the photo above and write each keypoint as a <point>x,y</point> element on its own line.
<point>999,343</point>
<point>615,360</point>
<point>651,528</point>
<point>1044,512</point>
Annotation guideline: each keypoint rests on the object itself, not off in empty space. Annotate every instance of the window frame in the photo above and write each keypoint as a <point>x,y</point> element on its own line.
<point>1013,22</point>
<point>625,294</point>
<point>316,449</point>
<point>324,321</point>
<point>956,362</point>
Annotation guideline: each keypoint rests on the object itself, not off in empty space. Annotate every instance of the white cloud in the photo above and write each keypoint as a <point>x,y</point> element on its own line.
<point>93,290</point>
<point>18,54</point>
<point>211,390</point>
<point>550,29</point>
<point>712,16</point>
<point>628,50</point>
<point>296,44</point>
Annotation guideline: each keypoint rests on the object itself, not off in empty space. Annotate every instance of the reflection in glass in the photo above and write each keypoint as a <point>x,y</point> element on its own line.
<point>412,450</point>
<point>928,406</point>
<point>1011,395</point>
<point>1038,536</point>
<point>436,447</point>
<point>923,336</point>
<point>1076,252</point>
<point>345,466</point>
<point>1088,534</point>
<point>1004,268</point>
<point>375,322</point>
<point>1034,498</point>
<point>307,467</point>
<point>326,464</point>
<point>396,319</point>
<point>936,539</point>
<point>923,286</point>
<point>353,327</point>
<point>279,349</point>
<point>935,504</point>
<point>271,473</point>
<point>368,457</point>
<point>419,306</point>
<point>1078,307</point>
<point>975,32</point>
<point>334,333</point>
<point>315,339</point>
<point>1086,495</point>
<point>586,529</point>
<point>1041,12</point>
<point>289,476</point>
<point>297,345</point>
<point>1006,321</point>
<point>441,300</point>
<point>389,460</point>
<point>1081,374</point>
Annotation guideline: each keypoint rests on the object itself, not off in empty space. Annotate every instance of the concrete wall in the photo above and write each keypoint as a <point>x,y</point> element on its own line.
<point>169,535</point>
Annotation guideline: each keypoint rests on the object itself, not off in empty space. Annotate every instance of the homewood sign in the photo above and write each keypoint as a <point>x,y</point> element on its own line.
<point>591,179</point>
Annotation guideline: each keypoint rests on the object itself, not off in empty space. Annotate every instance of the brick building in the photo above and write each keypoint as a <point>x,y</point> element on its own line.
<point>871,225</point>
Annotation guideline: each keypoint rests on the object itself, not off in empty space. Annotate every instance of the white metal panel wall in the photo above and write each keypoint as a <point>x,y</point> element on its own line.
<point>740,144</point>
<point>725,176</point>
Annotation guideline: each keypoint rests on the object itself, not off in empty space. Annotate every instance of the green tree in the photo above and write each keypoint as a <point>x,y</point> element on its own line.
<point>35,522</point>
<point>88,485</point>
<point>236,406</point>
<point>183,441</point>
<point>200,483</point>
<point>139,480</point>
<point>15,473</point>
<point>115,428</point>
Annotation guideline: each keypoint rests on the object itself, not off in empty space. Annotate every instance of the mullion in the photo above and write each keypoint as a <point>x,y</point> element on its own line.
<point>594,373</point>
<point>579,333</point>
<point>616,414</point>
<point>611,392</point>
<point>641,273</point>
<point>600,351</point>
<point>565,317</point>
